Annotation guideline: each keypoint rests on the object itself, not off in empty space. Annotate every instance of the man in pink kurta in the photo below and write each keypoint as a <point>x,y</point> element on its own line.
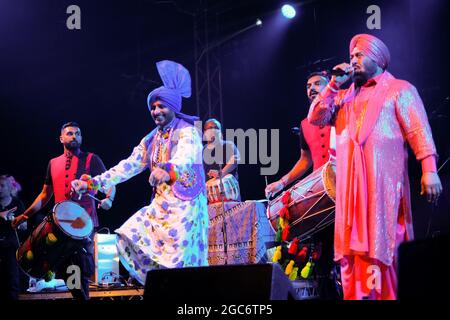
<point>375,118</point>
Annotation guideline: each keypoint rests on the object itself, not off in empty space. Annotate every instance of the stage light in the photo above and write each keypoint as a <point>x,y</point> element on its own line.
<point>258,22</point>
<point>288,11</point>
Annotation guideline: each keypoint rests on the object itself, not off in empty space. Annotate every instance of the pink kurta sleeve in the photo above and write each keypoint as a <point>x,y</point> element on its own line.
<point>429,164</point>
<point>414,122</point>
<point>322,109</point>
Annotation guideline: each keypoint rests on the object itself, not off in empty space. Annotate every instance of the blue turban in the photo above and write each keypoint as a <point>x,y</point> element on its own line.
<point>176,84</point>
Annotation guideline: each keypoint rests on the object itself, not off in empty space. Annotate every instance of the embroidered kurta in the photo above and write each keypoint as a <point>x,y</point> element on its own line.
<point>173,230</point>
<point>371,230</point>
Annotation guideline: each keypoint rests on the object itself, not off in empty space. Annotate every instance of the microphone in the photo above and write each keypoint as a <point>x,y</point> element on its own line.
<point>295,130</point>
<point>339,72</point>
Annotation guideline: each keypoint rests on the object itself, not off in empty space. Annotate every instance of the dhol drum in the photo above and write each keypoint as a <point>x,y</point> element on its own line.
<point>230,193</point>
<point>311,206</point>
<point>56,238</point>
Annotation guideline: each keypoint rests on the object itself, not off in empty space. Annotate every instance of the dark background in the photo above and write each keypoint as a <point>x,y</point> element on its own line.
<point>100,76</point>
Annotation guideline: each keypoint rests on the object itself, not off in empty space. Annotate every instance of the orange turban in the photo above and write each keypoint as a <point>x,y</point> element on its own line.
<point>372,47</point>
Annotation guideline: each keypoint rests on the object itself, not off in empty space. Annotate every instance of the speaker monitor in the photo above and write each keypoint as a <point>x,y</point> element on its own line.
<point>106,257</point>
<point>219,283</point>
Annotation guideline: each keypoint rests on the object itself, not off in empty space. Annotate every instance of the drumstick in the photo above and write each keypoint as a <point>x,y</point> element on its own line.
<point>78,194</point>
<point>96,199</point>
<point>269,195</point>
<point>88,194</point>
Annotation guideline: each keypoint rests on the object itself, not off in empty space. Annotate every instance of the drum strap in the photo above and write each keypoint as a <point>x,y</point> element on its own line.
<point>84,164</point>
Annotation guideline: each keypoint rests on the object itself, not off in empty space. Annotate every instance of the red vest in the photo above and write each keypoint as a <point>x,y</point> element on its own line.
<point>318,140</point>
<point>62,177</point>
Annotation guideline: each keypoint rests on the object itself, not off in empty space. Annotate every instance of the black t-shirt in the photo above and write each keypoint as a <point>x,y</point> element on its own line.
<point>303,144</point>
<point>213,161</point>
<point>7,234</point>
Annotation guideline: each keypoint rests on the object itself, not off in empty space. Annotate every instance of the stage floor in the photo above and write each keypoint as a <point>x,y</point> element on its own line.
<point>123,293</point>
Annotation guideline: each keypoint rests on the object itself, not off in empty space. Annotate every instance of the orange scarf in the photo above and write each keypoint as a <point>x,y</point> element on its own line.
<point>357,193</point>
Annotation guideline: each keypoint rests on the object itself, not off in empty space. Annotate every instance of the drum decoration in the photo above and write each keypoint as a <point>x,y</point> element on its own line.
<point>28,259</point>
<point>296,215</point>
<point>297,259</point>
<point>306,208</point>
<point>283,220</point>
<point>55,239</point>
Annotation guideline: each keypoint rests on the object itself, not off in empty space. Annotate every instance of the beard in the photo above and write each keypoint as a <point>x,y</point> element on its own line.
<point>72,145</point>
<point>360,78</point>
<point>312,97</point>
<point>162,120</point>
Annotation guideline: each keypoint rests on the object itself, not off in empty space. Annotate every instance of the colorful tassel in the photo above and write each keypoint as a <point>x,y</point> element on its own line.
<point>85,177</point>
<point>91,183</point>
<point>284,213</point>
<point>315,256</point>
<point>173,176</point>
<point>317,252</point>
<point>293,248</point>
<point>302,255</point>
<point>286,198</point>
<point>294,274</point>
<point>289,268</point>
<point>307,270</point>
<point>49,276</point>
<point>51,239</point>
<point>283,223</point>
<point>285,233</point>
<point>29,255</point>
<point>277,255</point>
<point>278,235</point>
<point>170,169</point>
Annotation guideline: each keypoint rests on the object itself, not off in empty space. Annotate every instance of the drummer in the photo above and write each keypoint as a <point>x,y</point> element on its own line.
<point>317,147</point>
<point>220,157</point>
<point>314,140</point>
<point>60,172</point>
